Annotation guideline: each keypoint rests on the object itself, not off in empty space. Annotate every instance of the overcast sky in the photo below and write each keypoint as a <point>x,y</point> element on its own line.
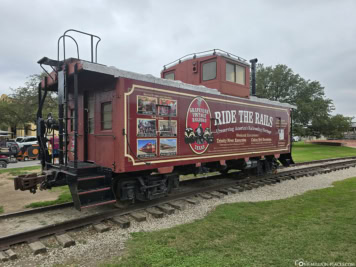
<point>317,39</point>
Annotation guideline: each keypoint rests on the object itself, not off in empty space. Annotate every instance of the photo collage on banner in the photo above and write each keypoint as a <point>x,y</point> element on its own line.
<point>167,128</point>
<point>146,128</point>
<point>148,146</point>
<point>167,107</point>
<point>146,105</point>
<point>168,147</point>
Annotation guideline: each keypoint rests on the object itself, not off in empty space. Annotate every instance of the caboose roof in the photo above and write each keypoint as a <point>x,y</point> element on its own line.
<point>213,52</point>
<point>115,72</point>
<point>173,83</point>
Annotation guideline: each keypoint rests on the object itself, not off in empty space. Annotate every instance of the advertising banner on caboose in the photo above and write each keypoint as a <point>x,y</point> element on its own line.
<point>170,126</point>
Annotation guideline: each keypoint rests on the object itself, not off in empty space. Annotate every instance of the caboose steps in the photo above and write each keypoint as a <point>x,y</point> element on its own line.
<point>92,190</point>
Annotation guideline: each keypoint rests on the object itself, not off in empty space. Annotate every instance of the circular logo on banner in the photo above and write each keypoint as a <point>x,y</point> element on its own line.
<point>198,126</point>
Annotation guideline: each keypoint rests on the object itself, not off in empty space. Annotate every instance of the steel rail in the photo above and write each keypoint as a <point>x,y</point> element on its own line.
<point>321,161</point>
<point>62,227</point>
<point>35,210</point>
<point>70,204</point>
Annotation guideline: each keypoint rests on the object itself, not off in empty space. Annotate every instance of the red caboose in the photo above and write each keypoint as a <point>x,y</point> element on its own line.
<point>127,136</point>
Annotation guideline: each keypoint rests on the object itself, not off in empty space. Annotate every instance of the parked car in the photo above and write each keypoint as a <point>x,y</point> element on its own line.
<point>4,160</point>
<point>296,138</point>
<point>9,150</point>
<point>19,139</point>
<point>13,147</point>
<point>28,140</point>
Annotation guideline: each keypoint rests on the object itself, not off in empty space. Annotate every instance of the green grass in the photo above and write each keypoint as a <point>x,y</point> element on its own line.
<point>306,152</point>
<point>1,209</point>
<point>64,197</point>
<point>19,171</point>
<point>318,226</point>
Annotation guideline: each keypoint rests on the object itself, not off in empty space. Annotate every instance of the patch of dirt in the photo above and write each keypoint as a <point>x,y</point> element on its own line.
<point>15,200</point>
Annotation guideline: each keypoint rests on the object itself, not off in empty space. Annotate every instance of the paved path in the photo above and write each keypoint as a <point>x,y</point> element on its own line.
<point>21,164</point>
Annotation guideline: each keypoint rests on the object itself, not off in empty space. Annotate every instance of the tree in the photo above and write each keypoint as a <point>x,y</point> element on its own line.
<point>280,83</point>
<point>7,114</point>
<point>20,108</point>
<point>338,125</point>
<point>4,116</point>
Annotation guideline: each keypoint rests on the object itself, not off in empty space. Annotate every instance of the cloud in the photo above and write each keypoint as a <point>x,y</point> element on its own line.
<point>314,38</point>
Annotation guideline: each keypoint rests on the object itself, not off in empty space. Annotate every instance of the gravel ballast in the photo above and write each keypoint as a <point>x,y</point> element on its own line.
<point>93,248</point>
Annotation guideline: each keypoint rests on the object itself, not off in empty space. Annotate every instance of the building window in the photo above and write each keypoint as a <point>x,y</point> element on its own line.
<point>209,71</point>
<point>13,133</point>
<point>91,106</point>
<point>27,130</point>
<point>235,73</point>
<point>106,116</point>
<point>169,76</point>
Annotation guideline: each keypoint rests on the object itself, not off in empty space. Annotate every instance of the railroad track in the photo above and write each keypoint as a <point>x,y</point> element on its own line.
<point>322,161</point>
<point>318,161</point>
<point>70,204</point>
<point>35,210</point>
<point>156,208</point>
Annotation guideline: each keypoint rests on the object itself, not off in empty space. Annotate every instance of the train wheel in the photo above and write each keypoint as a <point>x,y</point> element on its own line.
<point>267,166</point>
<point>121,204</point>
<point>172,182</point>
<point>224,172</point>
<point>259,169</point>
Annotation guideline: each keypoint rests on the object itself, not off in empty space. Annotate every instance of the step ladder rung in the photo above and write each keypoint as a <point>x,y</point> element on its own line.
<point>94,191</point>
<point>91,178</point>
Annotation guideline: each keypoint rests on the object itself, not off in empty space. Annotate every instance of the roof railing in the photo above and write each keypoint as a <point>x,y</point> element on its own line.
<point>92,50</point>
<point>55,64</point>
<point>194,55</point>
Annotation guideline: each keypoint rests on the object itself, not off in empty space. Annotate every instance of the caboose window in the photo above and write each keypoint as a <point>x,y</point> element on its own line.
<point>235,73</point>
<point>169,76</point>
<point>209,71</point>
<point>106,116</point>
<point>91,106</point>
<point>230,72</point>
<point>240,74</point>
<point>72,120</point>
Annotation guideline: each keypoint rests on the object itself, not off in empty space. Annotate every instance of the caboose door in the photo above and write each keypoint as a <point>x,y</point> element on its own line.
<point>89,126</point>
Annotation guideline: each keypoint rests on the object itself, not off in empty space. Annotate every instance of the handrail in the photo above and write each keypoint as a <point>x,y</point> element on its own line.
<point>63,36</point>
<point>92,36</point>
<point>63,107</point>
<point>194,55</point>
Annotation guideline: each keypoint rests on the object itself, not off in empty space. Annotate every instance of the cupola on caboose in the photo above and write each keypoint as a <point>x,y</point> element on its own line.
<point>215,69</point>
<point>126,137</point>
